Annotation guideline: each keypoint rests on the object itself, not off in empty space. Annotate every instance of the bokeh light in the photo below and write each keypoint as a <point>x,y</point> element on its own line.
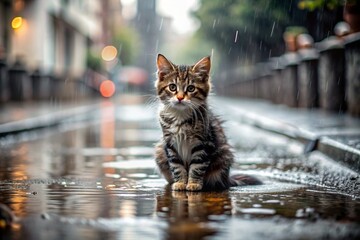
<point>107,88</point>
<point>17,22</point>
<point>109,53</point>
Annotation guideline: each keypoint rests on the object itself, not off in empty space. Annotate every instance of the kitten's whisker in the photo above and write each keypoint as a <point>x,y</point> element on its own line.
<point>152,102</point>
<point>196,108</point>
<point>194,116</point>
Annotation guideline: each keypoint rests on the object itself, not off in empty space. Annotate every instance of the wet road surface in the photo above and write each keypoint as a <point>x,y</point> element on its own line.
<point>94,177</point>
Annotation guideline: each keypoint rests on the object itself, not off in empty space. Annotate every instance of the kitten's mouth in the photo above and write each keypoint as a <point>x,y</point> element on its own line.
<point>179,104</point>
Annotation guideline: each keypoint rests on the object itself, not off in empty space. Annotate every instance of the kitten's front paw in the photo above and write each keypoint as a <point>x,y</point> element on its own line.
<point>178,186</point>
<point>194,187</point>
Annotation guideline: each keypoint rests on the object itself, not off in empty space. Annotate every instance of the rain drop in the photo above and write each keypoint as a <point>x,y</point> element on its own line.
<point>213,26</point>
<point>272,29</point>
<point>236,36</point>
<point>161,24</point>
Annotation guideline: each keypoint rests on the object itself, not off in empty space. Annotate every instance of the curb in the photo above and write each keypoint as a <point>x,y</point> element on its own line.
<point>329,143</point>
<point>339,151</point>
<point>51,119</point>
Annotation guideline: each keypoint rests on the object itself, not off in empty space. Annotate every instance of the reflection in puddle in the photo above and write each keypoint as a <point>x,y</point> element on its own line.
<point>268,187</point>
<point>132,164</point>
<point>257,211</point>
<point>89,151</point>
<point>190,213</point>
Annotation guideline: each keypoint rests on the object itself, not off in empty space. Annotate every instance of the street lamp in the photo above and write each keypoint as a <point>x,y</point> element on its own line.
<point>107,88</point>
<point>109,53</point>
<point>17,23</point>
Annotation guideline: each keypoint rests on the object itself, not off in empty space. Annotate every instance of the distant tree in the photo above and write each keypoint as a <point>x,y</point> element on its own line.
<point>247,30</point>
<point>94,61</point>
<point>125,41</point>
<point>318,4</point>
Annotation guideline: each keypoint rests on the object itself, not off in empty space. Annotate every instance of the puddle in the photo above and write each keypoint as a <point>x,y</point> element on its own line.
<point>147,163</point>
<point>257,211</point>
<point>268,187</point>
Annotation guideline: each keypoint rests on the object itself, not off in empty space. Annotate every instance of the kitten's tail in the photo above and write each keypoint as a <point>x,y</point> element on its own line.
<point>243,180</point>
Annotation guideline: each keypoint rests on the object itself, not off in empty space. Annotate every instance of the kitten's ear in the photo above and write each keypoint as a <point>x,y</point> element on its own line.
<point>203,66</point>
<point>164,66</point>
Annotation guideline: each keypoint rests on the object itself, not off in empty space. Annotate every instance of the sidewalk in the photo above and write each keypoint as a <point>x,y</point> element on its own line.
<point>336,135</point>
<point>23,116</point>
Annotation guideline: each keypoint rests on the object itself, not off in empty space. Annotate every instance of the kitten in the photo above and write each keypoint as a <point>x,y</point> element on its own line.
<point>193,154</point>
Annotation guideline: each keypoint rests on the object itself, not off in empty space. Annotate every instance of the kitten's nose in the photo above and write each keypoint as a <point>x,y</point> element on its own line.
<point>180,98</point>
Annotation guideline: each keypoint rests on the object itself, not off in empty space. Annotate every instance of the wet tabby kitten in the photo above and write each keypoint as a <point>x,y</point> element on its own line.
<point>193,154</point>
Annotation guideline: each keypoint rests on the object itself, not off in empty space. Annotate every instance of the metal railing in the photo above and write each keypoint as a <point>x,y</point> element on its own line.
<point>325,75</point>
<point>18,84</point>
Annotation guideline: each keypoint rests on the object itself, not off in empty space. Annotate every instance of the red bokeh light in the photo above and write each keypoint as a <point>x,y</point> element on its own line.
<point>107,88</point>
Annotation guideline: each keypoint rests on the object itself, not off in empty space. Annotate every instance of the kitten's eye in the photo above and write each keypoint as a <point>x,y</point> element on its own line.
<point>172,87</point>
<point>190,88</point>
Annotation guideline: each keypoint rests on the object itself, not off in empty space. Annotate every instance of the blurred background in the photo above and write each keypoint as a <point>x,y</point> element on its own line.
<point>68,50</point>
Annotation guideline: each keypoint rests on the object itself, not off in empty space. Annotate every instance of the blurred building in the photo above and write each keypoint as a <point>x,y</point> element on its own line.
<point>151,28</point>
<point>147,25</point>
<point>55,36</point>
<point>111,20</point>
<point>52,35</point>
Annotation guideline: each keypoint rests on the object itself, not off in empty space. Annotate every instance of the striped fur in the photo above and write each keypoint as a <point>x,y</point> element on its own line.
<point>193,154</point>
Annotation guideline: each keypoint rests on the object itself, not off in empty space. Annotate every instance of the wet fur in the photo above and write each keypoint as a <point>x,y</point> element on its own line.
<point>193,153</point>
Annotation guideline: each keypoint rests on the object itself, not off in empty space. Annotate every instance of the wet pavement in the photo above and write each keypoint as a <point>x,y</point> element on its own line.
<point>93,177</point>
<point>335,134</point>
